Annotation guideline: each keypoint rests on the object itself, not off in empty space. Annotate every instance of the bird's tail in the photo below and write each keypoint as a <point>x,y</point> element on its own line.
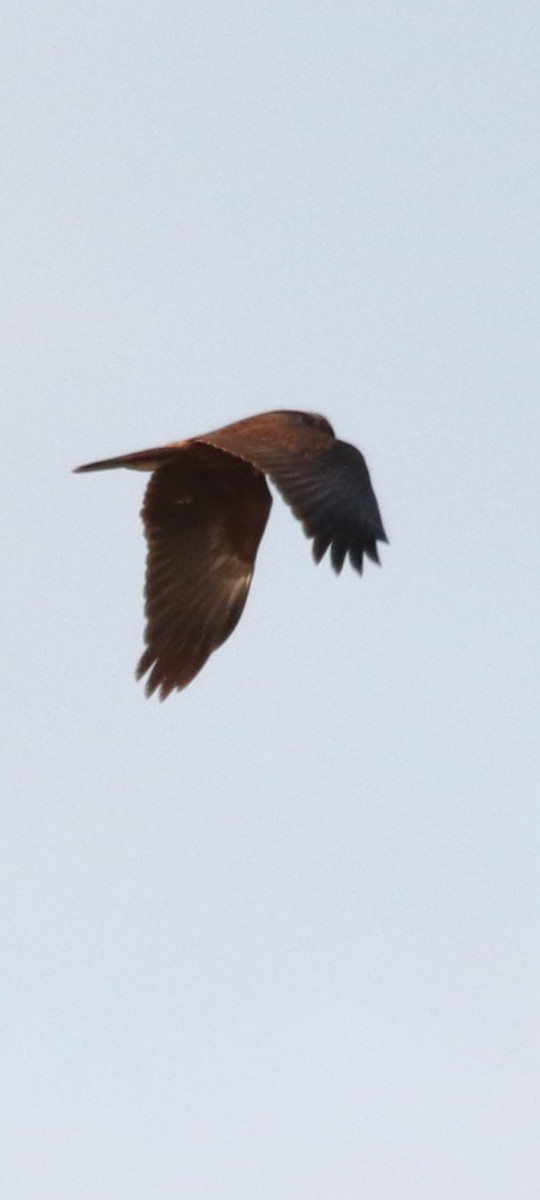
<point>142,460</point>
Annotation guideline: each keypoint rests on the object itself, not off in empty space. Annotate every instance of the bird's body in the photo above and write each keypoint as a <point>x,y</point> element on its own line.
<point>204,514</point>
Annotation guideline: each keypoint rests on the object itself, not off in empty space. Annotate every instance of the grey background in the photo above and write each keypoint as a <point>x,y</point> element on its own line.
<point>279,936</point>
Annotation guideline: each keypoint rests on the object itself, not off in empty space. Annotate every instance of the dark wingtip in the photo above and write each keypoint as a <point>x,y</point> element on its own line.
<point>372,551</point>
<point>371,548</point>
<point>320,545</point>
<point>339,551</point>
<point>158,681</point>
<point>153,683</point>
<point>356,558</point>
<point>338,554</point>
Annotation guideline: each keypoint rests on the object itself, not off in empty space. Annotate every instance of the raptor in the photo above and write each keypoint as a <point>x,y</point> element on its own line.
<point>204,514</point>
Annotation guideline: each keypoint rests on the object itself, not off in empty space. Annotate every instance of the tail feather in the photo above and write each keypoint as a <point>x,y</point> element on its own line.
<point>142,460</point>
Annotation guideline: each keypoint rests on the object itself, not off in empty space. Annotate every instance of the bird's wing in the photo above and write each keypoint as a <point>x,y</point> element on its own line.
<point>325,481</point>
<point>204,514</point>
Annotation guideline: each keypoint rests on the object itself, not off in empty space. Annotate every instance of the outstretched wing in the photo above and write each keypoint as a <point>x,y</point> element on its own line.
<point>325,481</point>
<point>204,514</point>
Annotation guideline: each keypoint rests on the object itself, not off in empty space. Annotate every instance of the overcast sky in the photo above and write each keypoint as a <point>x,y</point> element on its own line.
<point>278,937</point>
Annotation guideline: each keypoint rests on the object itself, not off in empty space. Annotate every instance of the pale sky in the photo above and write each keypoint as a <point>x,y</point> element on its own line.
<point>278,937</point>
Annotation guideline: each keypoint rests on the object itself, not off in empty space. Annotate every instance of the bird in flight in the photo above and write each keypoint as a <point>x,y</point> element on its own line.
<point>204,514</point>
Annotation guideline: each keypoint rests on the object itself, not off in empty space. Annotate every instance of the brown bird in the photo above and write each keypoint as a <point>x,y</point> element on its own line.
<point>204,514</point>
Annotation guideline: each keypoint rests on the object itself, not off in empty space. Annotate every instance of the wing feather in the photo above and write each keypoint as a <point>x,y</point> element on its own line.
<point>204,514</point>
<point>325,481</point>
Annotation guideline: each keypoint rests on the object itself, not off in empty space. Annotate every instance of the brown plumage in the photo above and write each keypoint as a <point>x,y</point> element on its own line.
<point>205,511</point>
